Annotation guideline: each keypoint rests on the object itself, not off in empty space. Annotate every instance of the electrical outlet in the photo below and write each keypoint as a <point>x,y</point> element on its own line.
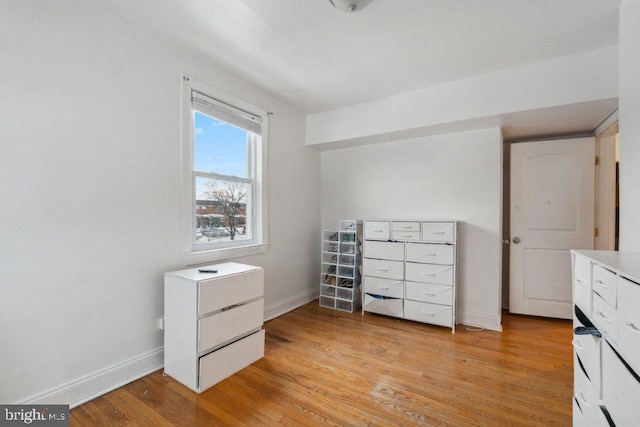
<point>161,324</point>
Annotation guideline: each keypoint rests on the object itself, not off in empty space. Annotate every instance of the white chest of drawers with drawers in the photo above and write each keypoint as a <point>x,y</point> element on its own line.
<point>409,270</point>
<point>606,295</point>
<point>212,323</point>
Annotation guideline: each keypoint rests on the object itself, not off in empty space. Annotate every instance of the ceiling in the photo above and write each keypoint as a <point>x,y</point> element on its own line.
<point>318,58</point>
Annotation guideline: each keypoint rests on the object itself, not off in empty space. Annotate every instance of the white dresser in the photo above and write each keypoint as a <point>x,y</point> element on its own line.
<point>606,295</point>
<point>409,270</point>
<point>212,322</point>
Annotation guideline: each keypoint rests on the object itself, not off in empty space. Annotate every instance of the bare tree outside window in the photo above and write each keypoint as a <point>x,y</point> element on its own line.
<point>232,199</point>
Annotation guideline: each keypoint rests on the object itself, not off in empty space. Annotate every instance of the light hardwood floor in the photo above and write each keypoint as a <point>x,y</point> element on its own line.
<point>327,367</point>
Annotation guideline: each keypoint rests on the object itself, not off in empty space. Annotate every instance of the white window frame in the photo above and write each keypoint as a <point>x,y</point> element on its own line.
<point>195,253</point>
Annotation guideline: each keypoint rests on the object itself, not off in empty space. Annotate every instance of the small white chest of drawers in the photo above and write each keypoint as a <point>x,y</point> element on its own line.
<point>409,270</point>
<point>606,296</point>
<point>212,322</point>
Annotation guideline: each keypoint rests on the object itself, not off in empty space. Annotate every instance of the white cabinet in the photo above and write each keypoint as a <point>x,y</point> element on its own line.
<point>409,270</point>
<point>212,322</point>
<point>606,294</point>
<point>340,272</point>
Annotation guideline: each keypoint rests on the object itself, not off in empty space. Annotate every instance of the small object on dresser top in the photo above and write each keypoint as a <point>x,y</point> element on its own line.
<point>207,270</point>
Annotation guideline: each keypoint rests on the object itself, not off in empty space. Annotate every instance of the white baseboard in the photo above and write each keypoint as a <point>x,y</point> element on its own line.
<point>480,320</point>
<point>282,307</point>
<point>89,387</point>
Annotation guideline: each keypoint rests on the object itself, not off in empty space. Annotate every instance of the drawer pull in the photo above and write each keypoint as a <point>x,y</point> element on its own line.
<point>579,282</point>
<point>428,254</point>
<point>428,313</point>
<point>386,288</point>
<point>437,232</point>
<point>602,316</point>
<point>630,326</point>
<point>406,235</point>
<point>406,227</point>
<point>378,231</point>
<point>600,283</point>
<point>431,294</point>
<point>577,345</point>
<point>429,274</point>
<point>382,269</point>
<point>582,400</point>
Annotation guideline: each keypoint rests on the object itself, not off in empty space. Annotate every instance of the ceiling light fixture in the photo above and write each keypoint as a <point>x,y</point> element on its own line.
<point>349,6</point>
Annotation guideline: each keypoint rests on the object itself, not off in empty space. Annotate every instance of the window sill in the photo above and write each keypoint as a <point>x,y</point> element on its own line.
<point>223,253</point>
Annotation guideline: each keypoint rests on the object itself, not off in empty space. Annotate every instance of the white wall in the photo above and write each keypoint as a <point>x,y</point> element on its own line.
<point>629,115</point>
<point>474,103</point>
<point>456,176</point>
<point>90,184</point>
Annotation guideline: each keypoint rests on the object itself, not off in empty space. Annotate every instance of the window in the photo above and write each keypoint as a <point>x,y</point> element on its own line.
<point>223,195</point>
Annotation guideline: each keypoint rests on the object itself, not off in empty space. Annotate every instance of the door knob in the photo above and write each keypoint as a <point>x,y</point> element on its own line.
<point>516,240</point>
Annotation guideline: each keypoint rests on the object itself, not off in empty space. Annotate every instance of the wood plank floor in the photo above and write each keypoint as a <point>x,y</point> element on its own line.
<point>327,367</point>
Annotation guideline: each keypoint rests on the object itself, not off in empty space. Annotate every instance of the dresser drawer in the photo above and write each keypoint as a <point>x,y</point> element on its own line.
<point>405,235</point>
<point>384,250</point>
<point>585,395</point>
<point>405,226</point>
<point>384,287</point>
<point>216,366</point>
<point>430,253</point>
<point>383,268</point>
<point>582,283</point>
<point>430,313</point>
<point>604,284</point>
<point>620,389</point>
<point>605,317</point>
<point>578,416</point>
<point>226,325</point>
<point>437,231</point>
<point>586,350</point>
<point>429,273</point>
<point>427,292</point>
<point>215,294</point>
<point>387,306</point>
<point>377,230</point>
<point>629,321</point>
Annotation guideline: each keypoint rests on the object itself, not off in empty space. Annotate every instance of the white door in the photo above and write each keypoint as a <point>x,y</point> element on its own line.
<point>552,205</point>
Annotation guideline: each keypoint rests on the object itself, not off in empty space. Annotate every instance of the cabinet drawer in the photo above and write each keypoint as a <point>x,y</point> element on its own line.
<point>384,287</point>
<point>429,273</point>
<point>605,317</point>
<point>405,235</point>
<point>578,416</point>
<point>384,250</point>
<point>429,313</point>
<point>227,325</point>
<point>586,350</point>
<point>216,366</point>
<point>405,226</point>
<point>604,284</point>
<point>585,395</point>
<point>629,321</point>
<point>430,253</point>
<point>620,389</point>
<point>215,294</point>
<point>383,268</point>
<point>437,231</point>
<point>388,306</point>
<point>427,292</point>
<point>582,283</point>
<point>377,230</point>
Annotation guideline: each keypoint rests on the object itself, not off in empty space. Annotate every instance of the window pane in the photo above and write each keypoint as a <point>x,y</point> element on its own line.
<point>219,147</point>
<point>223,211</point>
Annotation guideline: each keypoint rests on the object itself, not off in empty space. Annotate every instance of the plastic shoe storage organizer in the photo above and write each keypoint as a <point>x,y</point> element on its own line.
<point>340,272</point>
